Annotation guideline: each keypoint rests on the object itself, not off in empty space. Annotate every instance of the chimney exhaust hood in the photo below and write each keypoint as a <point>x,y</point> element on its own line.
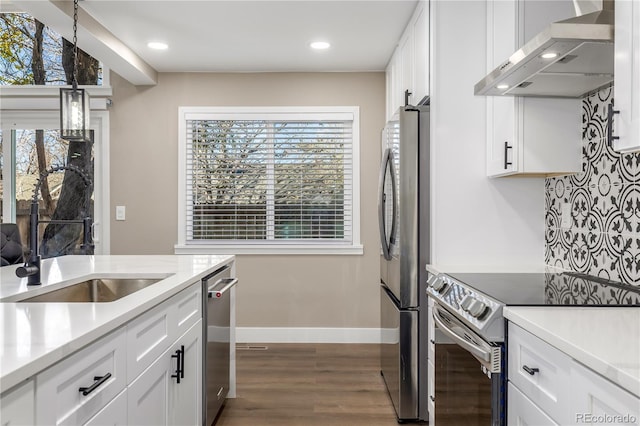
<point>568,59</point>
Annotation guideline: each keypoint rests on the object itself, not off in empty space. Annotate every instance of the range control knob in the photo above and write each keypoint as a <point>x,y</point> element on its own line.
<point>466,302</point>
<point>477,309</point>
<point>439,285</point>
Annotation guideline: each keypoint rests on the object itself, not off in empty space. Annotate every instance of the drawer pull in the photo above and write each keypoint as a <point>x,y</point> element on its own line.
<point>98,381</point>
<point>530,370</point>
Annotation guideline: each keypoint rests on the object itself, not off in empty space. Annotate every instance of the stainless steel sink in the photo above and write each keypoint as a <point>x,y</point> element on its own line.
<point>96,290</point>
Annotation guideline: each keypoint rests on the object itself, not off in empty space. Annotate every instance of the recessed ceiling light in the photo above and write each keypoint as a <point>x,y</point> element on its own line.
<point>549,55</point>
<point>502,86</point>
<point>157,45</point>
<point>320,45</point>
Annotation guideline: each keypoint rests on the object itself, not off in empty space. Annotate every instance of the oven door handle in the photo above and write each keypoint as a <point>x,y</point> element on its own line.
<point>479,352</point>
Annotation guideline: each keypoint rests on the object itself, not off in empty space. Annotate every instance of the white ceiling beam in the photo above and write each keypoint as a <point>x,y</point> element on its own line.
<point>93,38</point>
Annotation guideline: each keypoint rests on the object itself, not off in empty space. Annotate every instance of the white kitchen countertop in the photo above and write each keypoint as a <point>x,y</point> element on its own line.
<point>606,340</point>
<point>37,335</point>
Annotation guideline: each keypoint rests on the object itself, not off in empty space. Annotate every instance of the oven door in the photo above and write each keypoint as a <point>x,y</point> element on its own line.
<point>469,384</point>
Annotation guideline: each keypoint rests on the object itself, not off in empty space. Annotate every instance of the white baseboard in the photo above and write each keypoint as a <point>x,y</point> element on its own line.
<point>307,335</point>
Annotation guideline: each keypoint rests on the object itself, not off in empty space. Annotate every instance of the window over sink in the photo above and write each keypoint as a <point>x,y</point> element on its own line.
<point>269,180</point>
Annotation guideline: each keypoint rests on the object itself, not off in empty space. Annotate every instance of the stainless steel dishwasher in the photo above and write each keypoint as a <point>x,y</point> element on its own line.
<point>216,338</point>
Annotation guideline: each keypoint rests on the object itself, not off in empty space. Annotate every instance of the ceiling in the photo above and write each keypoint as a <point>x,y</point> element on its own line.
<point>248,36</point>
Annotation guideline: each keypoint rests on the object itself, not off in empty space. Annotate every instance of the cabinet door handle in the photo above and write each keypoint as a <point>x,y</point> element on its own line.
<point>530,370</point>
<point>179,374</point>
<point>611,112</point>
<point>182,361</point>
<point>506,149</point>
<point>432,398</point>
<point>407,94</point>
<point>98,380</point>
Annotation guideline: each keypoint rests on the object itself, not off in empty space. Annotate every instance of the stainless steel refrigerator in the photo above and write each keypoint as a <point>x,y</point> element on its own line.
<point>403,210</point>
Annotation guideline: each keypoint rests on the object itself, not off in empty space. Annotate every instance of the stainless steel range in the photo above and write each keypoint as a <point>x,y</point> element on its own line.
<point>467,308</point>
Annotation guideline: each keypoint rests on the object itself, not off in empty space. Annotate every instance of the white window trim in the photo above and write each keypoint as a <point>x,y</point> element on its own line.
<point>272,113</point>
<point>10,120</point>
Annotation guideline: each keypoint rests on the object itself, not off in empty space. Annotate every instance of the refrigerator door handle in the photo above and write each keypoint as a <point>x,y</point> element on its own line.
<point>387,164</point>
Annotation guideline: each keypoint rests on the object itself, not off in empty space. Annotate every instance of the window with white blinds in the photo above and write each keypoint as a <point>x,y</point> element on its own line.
<point>269,177</point>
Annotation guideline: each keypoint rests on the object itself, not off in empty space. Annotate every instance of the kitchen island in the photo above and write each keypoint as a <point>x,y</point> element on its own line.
<point>37,336</point>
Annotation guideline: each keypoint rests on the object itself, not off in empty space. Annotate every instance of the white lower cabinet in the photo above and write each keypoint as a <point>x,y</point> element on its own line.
<point>114,414</point>
<point>148,395</point>
<point>599,401</point>
<point>147,372</point>
<point>169,391</point>
<point>541,372</point>
<point>547,387</point>
<point>522,412</point>
<point>75,389</point>
<point>185,398</point>
<point>17,406</point>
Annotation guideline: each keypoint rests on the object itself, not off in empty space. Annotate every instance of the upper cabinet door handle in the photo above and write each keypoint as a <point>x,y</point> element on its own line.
<point>407,94</point>
<point>507,147</point>
<point>611,112</point>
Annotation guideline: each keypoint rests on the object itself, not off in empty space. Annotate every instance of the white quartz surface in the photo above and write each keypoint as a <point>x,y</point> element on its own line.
<point>37,335</point>
<point>606,340</point>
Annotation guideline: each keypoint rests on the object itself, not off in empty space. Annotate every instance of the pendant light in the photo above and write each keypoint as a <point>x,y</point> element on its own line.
<point>74,102</point>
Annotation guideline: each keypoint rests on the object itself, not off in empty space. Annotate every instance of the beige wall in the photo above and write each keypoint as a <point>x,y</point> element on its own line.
<point>274,291</point>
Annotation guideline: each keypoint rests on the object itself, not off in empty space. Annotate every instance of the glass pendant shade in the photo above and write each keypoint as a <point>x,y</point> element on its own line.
<point>74,114</point>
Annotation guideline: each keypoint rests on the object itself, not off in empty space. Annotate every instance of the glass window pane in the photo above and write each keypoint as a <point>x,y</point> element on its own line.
<point>62,195</point>
<point>19,32</point>
<point>269,180</point>
<point>229,181</point>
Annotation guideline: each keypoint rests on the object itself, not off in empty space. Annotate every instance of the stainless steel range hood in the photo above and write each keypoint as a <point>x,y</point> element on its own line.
<point>584,61</point>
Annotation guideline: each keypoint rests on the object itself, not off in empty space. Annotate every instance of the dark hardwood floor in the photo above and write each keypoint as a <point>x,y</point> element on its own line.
<point>308,384</point>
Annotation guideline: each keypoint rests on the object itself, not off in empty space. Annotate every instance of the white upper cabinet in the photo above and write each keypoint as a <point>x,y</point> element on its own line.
<point>528,136</point>
<point>408,69</point>
<point>626,123</point>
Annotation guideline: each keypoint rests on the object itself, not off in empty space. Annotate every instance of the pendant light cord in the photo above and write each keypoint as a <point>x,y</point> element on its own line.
<point>75,45</point>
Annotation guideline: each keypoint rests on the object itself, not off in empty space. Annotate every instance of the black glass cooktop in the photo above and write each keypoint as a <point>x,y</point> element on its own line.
<point>551,288</point>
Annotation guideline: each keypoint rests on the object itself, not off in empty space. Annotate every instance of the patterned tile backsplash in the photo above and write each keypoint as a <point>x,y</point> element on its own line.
<point>603,238</point>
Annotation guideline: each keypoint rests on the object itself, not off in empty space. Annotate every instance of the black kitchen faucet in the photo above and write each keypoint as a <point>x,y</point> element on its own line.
<point>31,267</point>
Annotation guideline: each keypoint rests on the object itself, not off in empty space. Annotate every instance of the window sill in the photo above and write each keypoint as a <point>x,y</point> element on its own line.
<point>311,249</point>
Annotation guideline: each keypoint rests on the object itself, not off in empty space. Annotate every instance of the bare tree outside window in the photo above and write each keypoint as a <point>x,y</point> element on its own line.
<point>267,180</point>
<point>33,54</point>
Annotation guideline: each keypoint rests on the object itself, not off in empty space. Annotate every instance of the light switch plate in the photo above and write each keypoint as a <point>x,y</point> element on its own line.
<point>120,213</point>
<point>565,215</point>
